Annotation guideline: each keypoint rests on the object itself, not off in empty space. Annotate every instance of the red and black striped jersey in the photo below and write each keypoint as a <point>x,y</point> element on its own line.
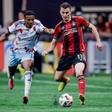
<point>72,35</point>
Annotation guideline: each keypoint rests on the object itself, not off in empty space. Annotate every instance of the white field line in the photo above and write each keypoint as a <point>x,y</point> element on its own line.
<point>71,84</point>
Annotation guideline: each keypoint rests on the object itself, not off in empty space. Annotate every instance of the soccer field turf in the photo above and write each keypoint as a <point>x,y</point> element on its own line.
<point>44,92</point>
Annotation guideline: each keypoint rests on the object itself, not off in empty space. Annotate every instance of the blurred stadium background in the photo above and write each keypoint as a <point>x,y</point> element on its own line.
<point>98,12</point>
<point>99,86</point>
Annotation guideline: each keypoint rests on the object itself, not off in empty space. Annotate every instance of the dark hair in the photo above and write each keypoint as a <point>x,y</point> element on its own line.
<point>65,5</point>
<point>22,11</point>
<point>29,12</point>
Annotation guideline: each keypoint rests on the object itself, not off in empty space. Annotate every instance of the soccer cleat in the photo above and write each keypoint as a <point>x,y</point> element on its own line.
<point>25,100</point>
<point>82,99</point>
<point>63,84</point>
<point>11,84</point>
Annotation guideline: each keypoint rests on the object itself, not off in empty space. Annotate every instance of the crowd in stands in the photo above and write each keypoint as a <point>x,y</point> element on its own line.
<point>103,22</point>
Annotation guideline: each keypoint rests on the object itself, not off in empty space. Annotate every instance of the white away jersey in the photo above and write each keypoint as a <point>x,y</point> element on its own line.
<point>26,38</point>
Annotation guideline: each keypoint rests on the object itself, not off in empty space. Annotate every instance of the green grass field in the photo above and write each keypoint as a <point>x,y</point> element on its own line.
<point>44,91</point>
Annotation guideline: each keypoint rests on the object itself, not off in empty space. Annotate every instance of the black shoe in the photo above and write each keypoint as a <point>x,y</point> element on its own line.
<point>25,100</point>
<point>82,99</point>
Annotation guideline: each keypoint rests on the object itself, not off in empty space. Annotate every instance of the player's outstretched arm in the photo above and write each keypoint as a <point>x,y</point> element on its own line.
<point>4,36</point>
<point>52,46</point>
<point>99,43</point>
<point>49,30</point>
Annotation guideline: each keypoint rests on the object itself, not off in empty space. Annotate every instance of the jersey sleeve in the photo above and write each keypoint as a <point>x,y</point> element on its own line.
<point>83,22</point>
<point>39,26</point>
<point>12,28</point>
<point>57,32</point>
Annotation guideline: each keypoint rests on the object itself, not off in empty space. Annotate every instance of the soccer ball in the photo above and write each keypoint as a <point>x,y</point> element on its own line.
<point>65,100</point>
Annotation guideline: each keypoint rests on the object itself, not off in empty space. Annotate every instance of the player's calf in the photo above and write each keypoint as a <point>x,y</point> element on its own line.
<point>81,87</point>
<point>81,84</point>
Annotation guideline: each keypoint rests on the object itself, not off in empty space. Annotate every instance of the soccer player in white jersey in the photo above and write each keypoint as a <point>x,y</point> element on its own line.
<point>26,31</point>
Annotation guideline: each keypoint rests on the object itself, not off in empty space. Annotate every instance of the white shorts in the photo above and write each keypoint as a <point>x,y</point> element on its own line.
<point>18,56</point>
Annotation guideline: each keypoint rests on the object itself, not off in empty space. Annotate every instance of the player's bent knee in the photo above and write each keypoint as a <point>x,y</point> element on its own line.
<point>28,75</point>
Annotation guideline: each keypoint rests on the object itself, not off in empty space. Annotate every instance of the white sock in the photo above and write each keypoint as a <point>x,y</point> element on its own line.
<point>28,81</point>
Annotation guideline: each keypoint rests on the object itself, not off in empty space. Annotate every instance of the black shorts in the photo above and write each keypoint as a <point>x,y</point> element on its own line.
<point>65,62</point>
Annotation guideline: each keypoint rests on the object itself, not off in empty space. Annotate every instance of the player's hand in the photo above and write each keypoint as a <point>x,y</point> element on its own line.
<point>99,45</point>
<point>44,53</point>
<point>51,31</point>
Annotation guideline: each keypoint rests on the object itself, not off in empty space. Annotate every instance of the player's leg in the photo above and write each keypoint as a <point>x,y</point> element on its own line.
<point>64,64</point>
<point>79,69</point>
<point>59,76</point>
<point>79,66</point>
<point>11,72</point>
<point>12,65</point>
<point>27,64</point>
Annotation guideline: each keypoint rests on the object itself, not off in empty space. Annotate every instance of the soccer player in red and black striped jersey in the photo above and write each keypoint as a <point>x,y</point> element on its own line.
<point>73,51</point>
